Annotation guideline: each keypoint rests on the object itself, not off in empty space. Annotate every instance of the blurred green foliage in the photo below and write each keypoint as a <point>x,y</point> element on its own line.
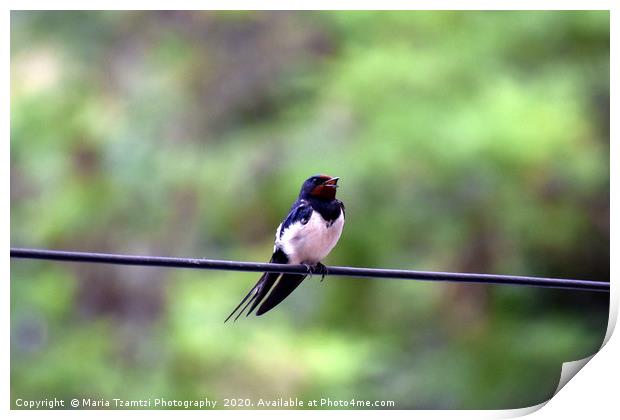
<point>465,141</point>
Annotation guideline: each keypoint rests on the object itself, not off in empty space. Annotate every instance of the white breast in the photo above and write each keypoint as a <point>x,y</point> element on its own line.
<point>310,243</point>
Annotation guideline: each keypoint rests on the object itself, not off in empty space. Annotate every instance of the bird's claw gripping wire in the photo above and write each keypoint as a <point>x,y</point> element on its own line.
<point>317,268</point>
<point>320,269</point>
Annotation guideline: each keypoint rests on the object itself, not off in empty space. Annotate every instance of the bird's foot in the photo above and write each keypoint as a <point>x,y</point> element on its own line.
<point>320,269</point>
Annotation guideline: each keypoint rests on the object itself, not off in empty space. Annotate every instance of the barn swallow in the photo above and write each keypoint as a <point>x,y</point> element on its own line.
<point>307,234</point>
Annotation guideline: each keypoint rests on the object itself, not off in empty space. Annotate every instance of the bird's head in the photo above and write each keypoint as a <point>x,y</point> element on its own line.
<point>319,186</point>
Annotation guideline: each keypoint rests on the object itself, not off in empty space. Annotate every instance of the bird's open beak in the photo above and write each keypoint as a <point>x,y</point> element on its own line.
<point>332,182</point>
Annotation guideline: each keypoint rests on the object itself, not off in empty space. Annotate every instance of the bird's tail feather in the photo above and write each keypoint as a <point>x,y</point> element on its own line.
<point>252,290</point>
<point>257,293</point>
<point>253,299</point>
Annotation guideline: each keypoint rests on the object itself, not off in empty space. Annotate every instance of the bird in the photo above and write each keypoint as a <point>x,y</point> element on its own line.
<point>306,236</point>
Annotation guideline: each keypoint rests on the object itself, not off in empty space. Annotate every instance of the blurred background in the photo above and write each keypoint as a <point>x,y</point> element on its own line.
<point>465,141</point>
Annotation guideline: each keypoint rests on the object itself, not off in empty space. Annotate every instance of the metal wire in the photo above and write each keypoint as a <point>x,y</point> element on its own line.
<point>200,263</point>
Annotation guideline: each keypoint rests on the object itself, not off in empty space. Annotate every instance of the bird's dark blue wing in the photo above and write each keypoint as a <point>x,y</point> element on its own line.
<point>300,212</point>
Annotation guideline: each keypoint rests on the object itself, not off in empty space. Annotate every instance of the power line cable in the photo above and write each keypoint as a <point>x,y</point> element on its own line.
<point>208,264</point>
